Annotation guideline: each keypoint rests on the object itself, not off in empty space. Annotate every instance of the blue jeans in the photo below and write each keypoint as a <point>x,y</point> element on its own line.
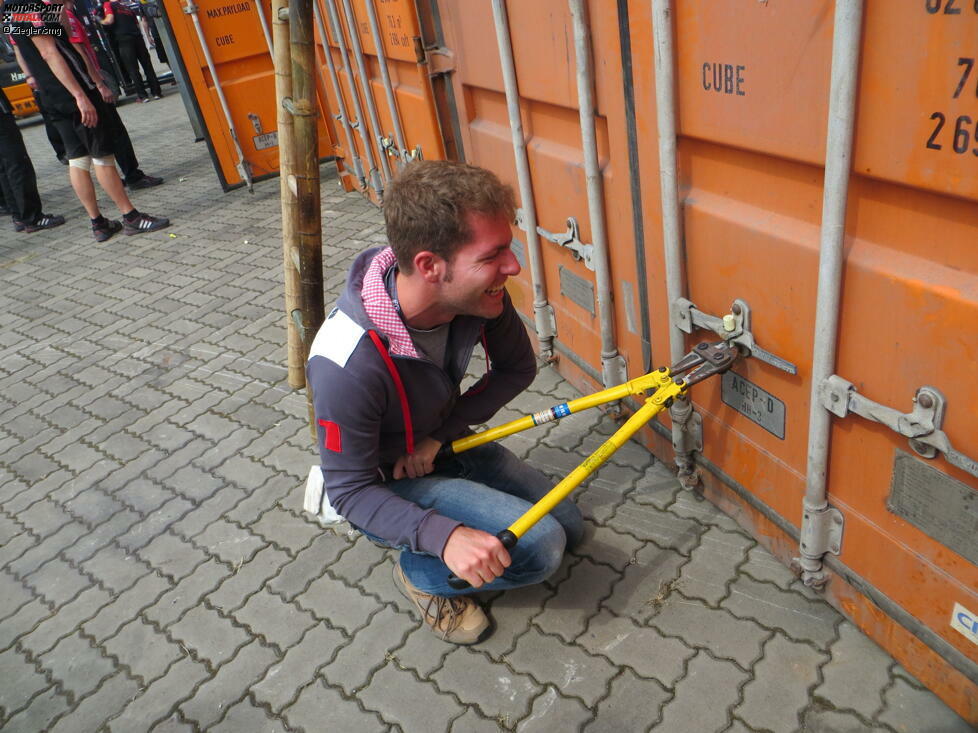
<point>488,488</point>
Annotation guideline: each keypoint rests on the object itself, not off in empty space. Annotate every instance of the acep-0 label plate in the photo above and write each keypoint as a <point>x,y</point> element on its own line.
<point>753,403</point>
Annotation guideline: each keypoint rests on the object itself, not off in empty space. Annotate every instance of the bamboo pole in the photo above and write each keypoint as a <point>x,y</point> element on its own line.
<point>290,210</point>
<point>309,229</point>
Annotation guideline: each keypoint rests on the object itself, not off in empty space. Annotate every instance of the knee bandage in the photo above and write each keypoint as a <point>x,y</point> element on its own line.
<point>108,161</point>
<point>84,162</point>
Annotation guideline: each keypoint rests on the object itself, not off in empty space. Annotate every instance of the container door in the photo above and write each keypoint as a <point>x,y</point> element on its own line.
<point>404,130</point>
<point>753,90</point>
<point>234,37</point>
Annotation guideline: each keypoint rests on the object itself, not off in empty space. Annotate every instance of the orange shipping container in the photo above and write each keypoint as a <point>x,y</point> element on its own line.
<point>808,169</point>
<point>224,59</point>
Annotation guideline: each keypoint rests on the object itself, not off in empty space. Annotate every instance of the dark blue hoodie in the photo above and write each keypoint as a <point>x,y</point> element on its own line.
<point>361,425</point>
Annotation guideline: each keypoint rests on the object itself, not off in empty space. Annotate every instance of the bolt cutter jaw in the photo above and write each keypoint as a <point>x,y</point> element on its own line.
<point>704,361</point>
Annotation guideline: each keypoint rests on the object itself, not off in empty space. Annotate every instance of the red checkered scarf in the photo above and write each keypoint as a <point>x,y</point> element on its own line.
<point>380,310</point>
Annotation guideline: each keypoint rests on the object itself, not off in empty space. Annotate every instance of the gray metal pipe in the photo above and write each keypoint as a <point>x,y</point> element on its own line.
<point>612,364</point>
<point>260,9</point>
<point>243,166</point>
<point>385,78</point>
<point>847,34</point>
<point>361,125</point>
<point>368,92</point>
<point>672,222</point>
<point>343,117</point>
<point>542,312</point>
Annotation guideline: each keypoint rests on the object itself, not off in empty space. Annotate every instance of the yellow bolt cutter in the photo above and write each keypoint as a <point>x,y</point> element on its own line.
<point>704,361</point>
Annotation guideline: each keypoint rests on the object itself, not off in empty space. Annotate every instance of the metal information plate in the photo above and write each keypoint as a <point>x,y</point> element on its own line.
<point>266,140</point>
<point>938,505</point>
<point>753,403</point>
<point>578,289</point>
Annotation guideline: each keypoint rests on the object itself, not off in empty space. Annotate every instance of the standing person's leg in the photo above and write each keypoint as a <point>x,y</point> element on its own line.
<point>20,181</point>
<point>144,60</point>
<point>127,55</point>
<point>122,148</point>
<point>54,137</point>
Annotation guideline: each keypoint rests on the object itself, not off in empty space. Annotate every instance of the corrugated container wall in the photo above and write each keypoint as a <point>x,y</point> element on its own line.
<point>753,86</point>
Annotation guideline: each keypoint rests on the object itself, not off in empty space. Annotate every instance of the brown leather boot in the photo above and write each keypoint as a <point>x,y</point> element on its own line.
<point>456,619</point>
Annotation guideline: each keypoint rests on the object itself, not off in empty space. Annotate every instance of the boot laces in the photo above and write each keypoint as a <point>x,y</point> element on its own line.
<point>447,612</point>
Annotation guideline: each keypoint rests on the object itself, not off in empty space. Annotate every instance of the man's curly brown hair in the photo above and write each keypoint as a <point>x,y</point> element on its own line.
<point>426,207</point>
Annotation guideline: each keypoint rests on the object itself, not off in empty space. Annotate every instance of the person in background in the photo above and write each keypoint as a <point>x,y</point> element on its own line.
<point>18,181</point>
<point>123,22</point>
<point>79,107</point>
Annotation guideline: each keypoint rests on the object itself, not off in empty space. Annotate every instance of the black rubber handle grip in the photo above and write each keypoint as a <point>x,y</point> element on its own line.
<point>509,541</point>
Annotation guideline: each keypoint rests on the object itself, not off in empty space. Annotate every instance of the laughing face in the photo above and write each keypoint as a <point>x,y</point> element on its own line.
<point>474,282</point>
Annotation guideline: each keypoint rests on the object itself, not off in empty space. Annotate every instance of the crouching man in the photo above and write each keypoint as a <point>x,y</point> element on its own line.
<point>385,371</point>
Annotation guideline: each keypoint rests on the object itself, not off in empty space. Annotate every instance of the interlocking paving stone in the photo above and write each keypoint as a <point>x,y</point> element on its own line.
<point>21,682</point>
<point>400,698</point>
<point>472,722</point>
<point>278,526</point>
<point>171,555</point>
<point>38,715</point>
<point>663,528</point>
<point>352,666</point>
<point>279,622</point>
<point>244,716</point>
<point>101,535</point>
<point>799,617</point>
<point>229,542</point>
<point>278,688</point>
<point>762,565</point>
<point>114,568</point>
<point>552,711</point>
<point>207,706</point>
<point>110,698</point>
<point>633,704</point>
<point>713,565</point>
<point>308,564</point>
<point>26,618</point>
<point>910,709</point>
<point>494,688</point>
<point>641,648</point>
<point>781,685</point>
<point>422,652</point>
<point>727,637</point>
<point>356,562</point>
<point>548,659</point>
<point>646,583</point>
<point>208,634</point>
<point>817,720</point>
<point>567,613</point>
<point>333,601</point>
<point>13,594</point>
<point>158,699</point>
<point>57,582</point>
<point>318,703</point>
<point>143,650</point>
<point>712,681</point>
<point>76,664</point>
<point>188,592</point>
<point>857,668</point>
<point>173,724</point>
<point>82,607</point>
<point>605,545</point>
<point>193,483</point>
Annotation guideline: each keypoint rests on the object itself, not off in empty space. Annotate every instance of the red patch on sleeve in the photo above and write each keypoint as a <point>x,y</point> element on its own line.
<point>332,440</point>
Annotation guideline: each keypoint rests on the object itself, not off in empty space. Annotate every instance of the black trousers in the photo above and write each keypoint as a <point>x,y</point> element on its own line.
<point>125,156</point>
<point>17,177</point>
<point>133,54</point>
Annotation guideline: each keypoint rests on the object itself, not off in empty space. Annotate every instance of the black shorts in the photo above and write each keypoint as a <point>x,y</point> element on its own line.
<point>79,140</point>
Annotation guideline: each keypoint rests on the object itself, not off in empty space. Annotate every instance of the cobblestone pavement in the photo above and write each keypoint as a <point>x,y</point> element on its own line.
<point>159,574</point>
